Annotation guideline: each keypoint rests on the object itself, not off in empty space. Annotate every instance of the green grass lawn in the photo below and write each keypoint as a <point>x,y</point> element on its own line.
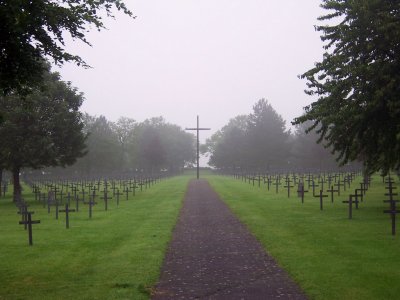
<point>115,255</point>
<point>330,256</point>
<point>118,254</point>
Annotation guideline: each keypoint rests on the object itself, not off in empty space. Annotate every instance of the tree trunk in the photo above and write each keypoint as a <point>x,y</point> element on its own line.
<point>17,185</point>
<point>1,182</point>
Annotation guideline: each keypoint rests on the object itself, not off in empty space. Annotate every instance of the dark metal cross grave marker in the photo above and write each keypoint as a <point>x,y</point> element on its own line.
<point>393,209</point>
<point>141,184</point>
<point>198,144</point>
<point>83,192</point>
<point>332,191</point>
<point>329,180</point>
<point>127,192</point>
<point>67,210</point>
<point>76,203</point>
<point>134,187</point>
<point>277,184</point>
<point>91,202</point>
<point>350,202</point>
<point>50,200</point>
<point>269,181</point>
<point>339,184</point>
<point>23,211</point>
<point>367,182</point>
<point>294,177</point>
<point>350,178</point>
<point>363,187</point>
<point>69,198</point>
<point>29,222</point>
<point>321,197</point>
<point>358,196</point>
<point>288,186</point>
<point>345,182</point>
<point>390,188</point>
<point>301,191</point>
<point>36,191</point>
<point>106,198</point>
<point>113,187</point>
<point>117,193</point>
<point>147,182</point>
<point>310,179</point>
<point>74,189</point>
<point>321,181</point>
<point>313,188</point>
<point>57,204</point>
<point>55,190</point>
<point>249,179</point>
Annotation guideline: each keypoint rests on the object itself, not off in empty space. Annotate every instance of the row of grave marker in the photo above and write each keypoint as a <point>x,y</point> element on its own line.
<point>338,179</point>
<point>310,179</point>
<point>54,197</point>
<point>393,210</point>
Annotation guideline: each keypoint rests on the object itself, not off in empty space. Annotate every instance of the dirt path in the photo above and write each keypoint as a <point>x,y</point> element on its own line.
<point>213,256</point>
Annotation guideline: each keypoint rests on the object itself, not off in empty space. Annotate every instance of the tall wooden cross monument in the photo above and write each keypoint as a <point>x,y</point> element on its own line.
<point>198,143</point>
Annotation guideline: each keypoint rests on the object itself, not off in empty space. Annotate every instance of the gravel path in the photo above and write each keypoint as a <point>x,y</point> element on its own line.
<point>213,256</point>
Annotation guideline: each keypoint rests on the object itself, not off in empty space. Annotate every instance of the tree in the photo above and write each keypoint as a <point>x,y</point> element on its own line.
<point>255,142</point>
<point>358,83</point>
<point>267,137</point>
<point>40,130</point>
<point>125,131</point>
<point>151,149</point>
<point>103,151</point>
<point>162,145</point>
<point>31,31</point>
<point>1,180</point>
<point>309,155</point>
<point>125,146</point>
<point>179,147</point>
<point>228,146</point>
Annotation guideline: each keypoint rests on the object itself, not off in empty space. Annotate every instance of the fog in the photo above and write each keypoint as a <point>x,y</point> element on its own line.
<point>179,59</point>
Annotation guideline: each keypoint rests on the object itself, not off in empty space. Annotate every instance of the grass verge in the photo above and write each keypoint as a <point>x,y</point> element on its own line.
<point>330,256</point>
<point>115,255</point>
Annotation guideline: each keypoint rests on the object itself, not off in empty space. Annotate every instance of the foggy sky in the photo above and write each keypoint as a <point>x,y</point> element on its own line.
<point>213,58</point>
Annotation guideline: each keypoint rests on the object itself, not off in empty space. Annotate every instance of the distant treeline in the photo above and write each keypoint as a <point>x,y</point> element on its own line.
<point>127,146</point>
<point>257,142</point>
<point>260,142</point>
